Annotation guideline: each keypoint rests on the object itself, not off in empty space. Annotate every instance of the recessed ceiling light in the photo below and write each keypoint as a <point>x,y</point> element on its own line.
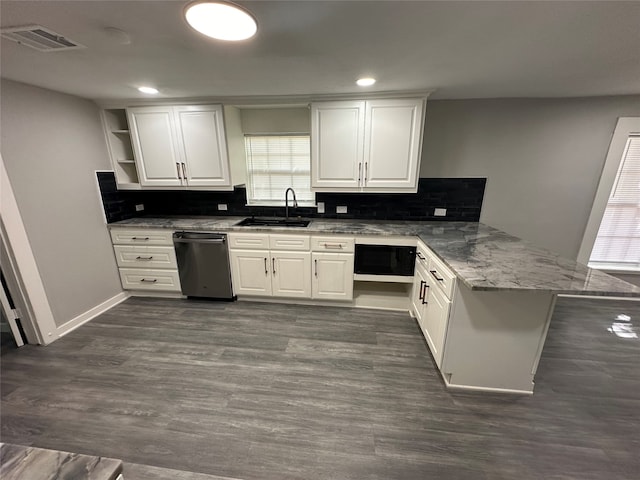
<point>149,90</point>
<point>366,82</point>
<point>221,20</point>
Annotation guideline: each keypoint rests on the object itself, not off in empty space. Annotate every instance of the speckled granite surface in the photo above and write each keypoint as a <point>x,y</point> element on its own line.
<point>482,257</point>
<point>29,463</point>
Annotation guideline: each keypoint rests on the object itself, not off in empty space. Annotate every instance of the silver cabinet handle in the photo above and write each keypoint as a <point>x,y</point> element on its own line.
<point>144,258</point>
<point>433,272</point>
<point>334,246</point>
<point>266,270</point>
<point>359,172</point>
<point>153,280</point>
<point>184,171</point>
<point>140,238</point>
<point>316,267</point>
<point>178,168</point>
<point>273,265</point>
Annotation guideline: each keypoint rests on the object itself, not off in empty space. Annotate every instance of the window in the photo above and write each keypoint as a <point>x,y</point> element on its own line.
<point>275,163</point>
<point>617,244</point>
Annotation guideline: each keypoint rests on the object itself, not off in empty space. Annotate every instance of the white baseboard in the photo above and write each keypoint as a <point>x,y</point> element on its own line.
<point>92,313</point>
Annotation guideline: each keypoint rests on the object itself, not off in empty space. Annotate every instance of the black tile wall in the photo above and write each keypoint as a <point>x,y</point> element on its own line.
<point>462,197</point>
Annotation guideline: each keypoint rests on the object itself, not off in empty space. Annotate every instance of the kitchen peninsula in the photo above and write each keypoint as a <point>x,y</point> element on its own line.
<point>504,295</point>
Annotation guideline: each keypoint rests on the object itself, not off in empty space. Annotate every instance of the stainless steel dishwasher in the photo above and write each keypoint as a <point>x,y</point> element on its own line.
<point>203,264</point>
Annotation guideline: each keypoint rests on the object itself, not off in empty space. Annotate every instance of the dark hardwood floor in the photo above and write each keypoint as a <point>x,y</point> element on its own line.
<point>258,391</point>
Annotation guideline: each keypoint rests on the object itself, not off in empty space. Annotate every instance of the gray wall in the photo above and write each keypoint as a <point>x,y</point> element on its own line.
<point>276,120</point>
<point>542,159</point>
<point>51,145</point>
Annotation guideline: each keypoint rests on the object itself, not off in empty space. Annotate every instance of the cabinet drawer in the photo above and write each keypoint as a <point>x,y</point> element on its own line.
<point>249,240</point>
<point>289,242</point>
<point>139,236</point>
<point>423,255</point>
<point>441,276</point>
<point>150,279</point>
<point>145,257</point>
<point>332,244</point>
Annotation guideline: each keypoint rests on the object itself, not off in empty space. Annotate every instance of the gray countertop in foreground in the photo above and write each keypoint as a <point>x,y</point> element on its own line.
<point>29,463</point>
<point>482,257</point>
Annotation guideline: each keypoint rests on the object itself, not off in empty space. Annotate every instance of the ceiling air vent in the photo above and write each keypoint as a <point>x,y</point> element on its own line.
<point>40,38</point>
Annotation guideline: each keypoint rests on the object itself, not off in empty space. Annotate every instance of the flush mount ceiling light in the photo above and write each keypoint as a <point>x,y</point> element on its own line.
<point>221,20</point>
<point>149,90</point>
<point>365,82</point>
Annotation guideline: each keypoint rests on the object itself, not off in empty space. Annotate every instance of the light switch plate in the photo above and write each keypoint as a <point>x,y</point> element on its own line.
<point>440,212</point>
<point>139,207</point>
<point>320,207</point>
<point>222,206</point>
<point>341,209</point>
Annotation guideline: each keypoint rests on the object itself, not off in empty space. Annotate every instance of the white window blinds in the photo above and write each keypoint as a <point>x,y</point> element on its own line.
<point>275,163</point>
<point>618,243</point>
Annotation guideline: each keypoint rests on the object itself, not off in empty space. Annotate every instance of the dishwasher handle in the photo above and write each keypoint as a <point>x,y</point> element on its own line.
<point>199,237</point>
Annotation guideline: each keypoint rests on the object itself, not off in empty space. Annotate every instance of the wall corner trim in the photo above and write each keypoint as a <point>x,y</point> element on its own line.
<point>90,314</point>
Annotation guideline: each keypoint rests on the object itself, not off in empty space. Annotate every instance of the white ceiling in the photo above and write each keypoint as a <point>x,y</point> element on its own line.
<point>458,49</point>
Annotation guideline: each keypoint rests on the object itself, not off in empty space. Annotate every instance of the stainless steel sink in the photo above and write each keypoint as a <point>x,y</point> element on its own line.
<point>272,222</point>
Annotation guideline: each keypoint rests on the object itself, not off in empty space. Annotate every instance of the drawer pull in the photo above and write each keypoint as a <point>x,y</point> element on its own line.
<point>316,267</point>
<point>422,284</point>
<point>266,270</point>
<point>424,295</point>
<point>433,272</point>
<point>420,256</point>
<point>153,280</point>
<point>144,239</point>
<point>144,258</point>
<point>273,264</point>
<point>178,167</point>
<point>333,246</point>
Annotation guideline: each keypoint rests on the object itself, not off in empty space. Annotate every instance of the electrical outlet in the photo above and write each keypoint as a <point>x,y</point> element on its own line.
<point>440,212</point>
<point>222,206</point>
<point>341,209</point>
<point>320,207</point>
<point>139,207</point>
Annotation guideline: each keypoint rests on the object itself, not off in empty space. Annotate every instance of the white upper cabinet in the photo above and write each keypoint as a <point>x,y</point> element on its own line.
<point>337,133</point>
<point>366,146</point>
<point>180,146</point>
<point>392,143</point>
<point>203,145</point>
<point>155,146</point>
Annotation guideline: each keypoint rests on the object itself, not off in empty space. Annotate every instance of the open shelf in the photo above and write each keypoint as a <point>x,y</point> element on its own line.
<point>120,148</point>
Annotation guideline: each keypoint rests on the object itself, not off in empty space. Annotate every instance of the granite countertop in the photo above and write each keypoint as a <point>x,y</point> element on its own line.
<point>21,463</point>
<point>482,257</point>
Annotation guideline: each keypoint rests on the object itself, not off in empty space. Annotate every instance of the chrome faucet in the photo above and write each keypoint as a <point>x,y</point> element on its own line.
<point>286,202</point>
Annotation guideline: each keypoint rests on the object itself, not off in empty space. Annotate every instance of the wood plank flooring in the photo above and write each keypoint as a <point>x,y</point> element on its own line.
<point>258,391</point>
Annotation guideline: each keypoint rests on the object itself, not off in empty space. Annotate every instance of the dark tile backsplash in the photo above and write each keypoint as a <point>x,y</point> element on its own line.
<point>462,197</point>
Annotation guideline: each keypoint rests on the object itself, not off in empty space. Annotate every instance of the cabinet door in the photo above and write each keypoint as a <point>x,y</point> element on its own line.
<point>392,144</point>
<point>250,272</point>
<point>291,274</point>
<point>153,136</point>
<point>203,145</point>
<point>420,290</point>
<point>337,140</point>
<point>436,317</point>
<point>332,276</point>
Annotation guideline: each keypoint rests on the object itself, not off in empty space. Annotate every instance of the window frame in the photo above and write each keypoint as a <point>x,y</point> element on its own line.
<point>625,127</point>
<point>249,179</point>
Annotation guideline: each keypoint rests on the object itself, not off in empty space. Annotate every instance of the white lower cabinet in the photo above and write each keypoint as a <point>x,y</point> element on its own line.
<point>291,274</point>
<point>146,259</point>
<point>250,272</point>
<point>431,304</point>
<point>294,266</point>
<point>332,276</point>
<point>284,270</point>
<point>266,273</point>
